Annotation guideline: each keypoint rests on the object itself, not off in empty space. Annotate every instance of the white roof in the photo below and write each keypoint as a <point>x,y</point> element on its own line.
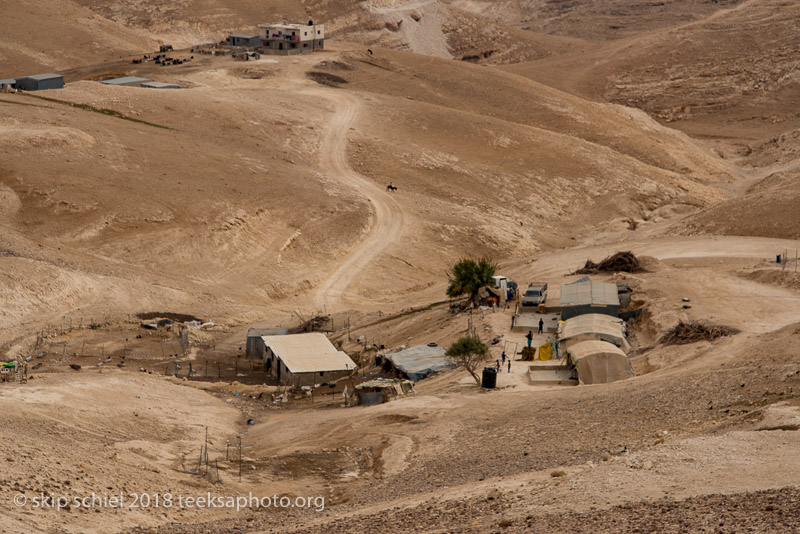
<point>584,349</point>
<point>589,292</point>
<point>308,353</point>
<point>161,85</point>
<point>125,79</point>
<point>292,25</point>
<point>593,323</point>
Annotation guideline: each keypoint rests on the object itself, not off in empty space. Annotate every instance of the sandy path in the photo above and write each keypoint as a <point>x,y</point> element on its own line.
<point>386,224</point>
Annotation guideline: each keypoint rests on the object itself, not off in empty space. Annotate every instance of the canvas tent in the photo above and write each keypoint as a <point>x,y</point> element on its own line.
<point>599,362</point>
<point>587,296</point>
<point>418,362</point>
<point>593,326</point>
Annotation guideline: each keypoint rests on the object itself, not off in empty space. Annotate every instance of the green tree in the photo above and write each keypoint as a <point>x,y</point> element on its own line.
<point>467,276</point>
<point>469,352</point>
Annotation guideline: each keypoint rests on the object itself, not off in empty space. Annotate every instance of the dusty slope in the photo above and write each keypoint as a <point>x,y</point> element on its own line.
<point>769,208</point>
<point>595,20</point>
<point>728,75</point>
<point>109,433</point>
<point>707,419</point>
<point>222,200</point>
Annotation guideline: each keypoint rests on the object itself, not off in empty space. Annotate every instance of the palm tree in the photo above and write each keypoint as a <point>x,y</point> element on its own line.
<point>467,276</point>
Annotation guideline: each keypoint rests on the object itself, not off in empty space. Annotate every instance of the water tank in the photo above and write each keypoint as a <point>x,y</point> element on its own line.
<point>489,378</point>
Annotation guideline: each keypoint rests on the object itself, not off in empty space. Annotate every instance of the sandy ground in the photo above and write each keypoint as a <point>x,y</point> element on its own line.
<point>256,194</point>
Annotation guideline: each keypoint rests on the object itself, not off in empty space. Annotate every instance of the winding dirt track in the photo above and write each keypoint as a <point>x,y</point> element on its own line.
<point>386,222</point>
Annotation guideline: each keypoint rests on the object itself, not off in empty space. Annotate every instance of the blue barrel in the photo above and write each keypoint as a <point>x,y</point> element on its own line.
<point>489,378</point>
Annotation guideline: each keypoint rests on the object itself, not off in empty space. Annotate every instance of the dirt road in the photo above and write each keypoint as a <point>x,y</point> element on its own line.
<point>386,223</point>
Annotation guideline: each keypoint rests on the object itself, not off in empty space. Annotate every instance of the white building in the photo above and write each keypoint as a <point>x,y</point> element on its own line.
<point>305,359</point>
<point>292,38</point>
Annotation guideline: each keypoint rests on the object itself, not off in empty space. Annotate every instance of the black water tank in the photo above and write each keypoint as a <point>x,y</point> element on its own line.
<point>489,378</point>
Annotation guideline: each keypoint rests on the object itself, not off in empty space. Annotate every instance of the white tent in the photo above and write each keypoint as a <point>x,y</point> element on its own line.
<point>593,326</point>
<point>600,362</point>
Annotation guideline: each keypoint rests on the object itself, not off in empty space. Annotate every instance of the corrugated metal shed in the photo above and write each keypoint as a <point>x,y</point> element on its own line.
<point>160,85</point>
<point>308,353</point>
<point>39,82</point>
<point>255,345</point>
<point>258,332</point>
<point>132,81</point>
<point>420,361</point>
<point>589,292</point>
<point>8,81</point>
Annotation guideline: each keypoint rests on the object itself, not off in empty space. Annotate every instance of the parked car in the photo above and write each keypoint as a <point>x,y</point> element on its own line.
<point>535,294</point>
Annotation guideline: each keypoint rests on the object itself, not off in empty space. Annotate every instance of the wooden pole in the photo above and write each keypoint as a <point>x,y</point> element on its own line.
<point>240,458</point>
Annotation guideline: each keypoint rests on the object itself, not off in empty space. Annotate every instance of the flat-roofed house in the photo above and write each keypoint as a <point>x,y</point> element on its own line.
<point>305,359</point>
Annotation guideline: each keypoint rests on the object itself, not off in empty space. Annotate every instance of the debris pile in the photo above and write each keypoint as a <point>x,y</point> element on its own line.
<point>317,323</point>
<point>621,262</point>
<point>694,331</point>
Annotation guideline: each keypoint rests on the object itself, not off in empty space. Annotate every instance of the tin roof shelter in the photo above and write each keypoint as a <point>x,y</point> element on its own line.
<point>255,350</point>
<point>40,82</point>
<point>305,359</point>
<point>128,81</point>
<point>160,85</point>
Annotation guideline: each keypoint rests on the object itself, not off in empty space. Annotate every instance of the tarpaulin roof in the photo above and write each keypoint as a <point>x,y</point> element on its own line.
<point>308,353</point>
<point>600,362</point>
<point>595,325</point>
<point>589,292</point>
<point>420,361</point>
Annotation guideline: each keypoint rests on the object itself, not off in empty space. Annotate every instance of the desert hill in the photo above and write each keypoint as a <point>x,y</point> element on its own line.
<point>540,134</point>
<point>219,188</point>
<point>727,76</point>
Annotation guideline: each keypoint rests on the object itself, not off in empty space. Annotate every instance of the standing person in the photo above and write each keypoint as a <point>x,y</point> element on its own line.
<point>541,324</point>
<point>509,365</point>
<point>498,365</point>
<point>529,337</point>
<point>504,357</point>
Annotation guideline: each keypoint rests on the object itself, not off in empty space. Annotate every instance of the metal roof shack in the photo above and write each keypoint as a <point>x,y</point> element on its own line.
<point>244,39</point>
<point>40,82</point>
<point>128,81</point>
<point>255,350</point>
<point>8,81</point>
<point>587,296</point>
<point>160,85</point>
<point>418,362</point>
<point>305,359</point>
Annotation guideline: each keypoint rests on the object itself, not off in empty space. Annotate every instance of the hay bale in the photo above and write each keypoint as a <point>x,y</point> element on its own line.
<point>621,262</point>
<point>693,331</point>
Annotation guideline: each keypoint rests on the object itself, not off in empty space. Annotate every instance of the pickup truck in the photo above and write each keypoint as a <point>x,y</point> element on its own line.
<point>535,294</point>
